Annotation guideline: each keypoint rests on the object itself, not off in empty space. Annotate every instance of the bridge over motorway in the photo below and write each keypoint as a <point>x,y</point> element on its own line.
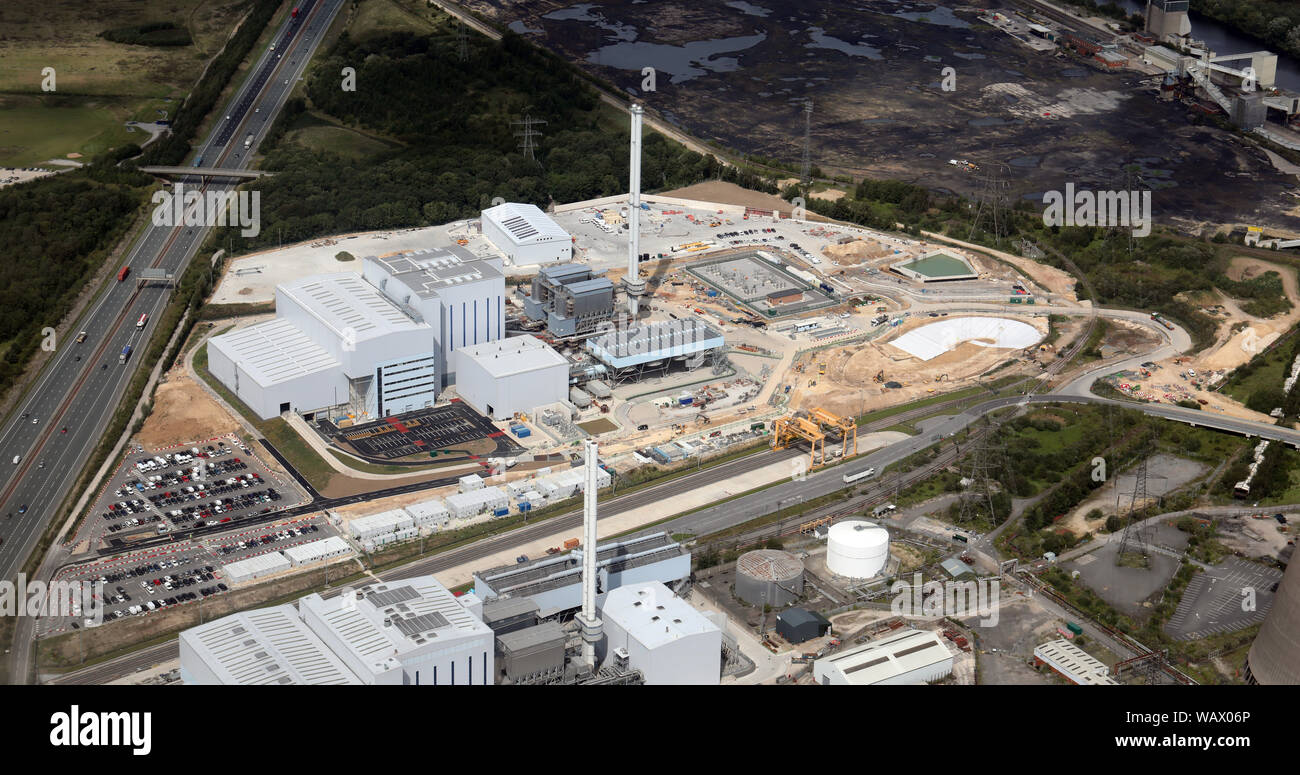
<point>207,172</point>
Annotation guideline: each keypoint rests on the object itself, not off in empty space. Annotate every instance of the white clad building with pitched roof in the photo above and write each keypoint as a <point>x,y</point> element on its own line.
<point>526,235</point>
<point>412,632</point>
<point>266,646</point>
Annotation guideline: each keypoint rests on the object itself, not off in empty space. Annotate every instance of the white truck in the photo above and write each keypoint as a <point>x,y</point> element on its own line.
<point>248,142</point>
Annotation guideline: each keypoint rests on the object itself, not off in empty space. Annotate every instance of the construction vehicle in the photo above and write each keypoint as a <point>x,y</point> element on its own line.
<point>880,376</point>
<point>572,543</point>
<point>821,369</point>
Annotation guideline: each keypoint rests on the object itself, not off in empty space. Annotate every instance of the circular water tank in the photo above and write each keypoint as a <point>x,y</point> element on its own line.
<point>857,549</point>
<point>769,577</point>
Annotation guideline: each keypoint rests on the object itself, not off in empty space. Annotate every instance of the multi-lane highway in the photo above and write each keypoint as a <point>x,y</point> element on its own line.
<point>81,386</point>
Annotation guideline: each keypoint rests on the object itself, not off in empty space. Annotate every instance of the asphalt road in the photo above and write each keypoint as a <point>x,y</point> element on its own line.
<point>82,385</point>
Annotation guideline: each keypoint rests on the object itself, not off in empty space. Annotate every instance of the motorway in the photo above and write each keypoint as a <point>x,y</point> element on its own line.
<point>82,385</point>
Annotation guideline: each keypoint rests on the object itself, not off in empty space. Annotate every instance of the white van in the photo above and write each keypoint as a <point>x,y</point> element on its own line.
<point>17,458</point>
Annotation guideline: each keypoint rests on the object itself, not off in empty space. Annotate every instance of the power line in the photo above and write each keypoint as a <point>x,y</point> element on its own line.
<point>527,145</point>
<point>806,167</point>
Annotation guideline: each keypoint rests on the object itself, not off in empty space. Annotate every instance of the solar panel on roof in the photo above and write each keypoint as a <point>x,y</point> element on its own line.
<point>416,625</point>
<point>384,598</point>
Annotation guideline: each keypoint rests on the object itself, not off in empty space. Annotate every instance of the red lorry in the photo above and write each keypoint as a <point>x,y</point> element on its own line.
<point>122,273</point>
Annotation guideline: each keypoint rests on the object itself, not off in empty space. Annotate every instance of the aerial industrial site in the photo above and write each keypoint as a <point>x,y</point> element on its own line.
<point>843,408</point>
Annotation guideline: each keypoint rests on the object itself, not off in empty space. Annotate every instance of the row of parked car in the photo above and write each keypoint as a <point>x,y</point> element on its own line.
<point>269,538</point>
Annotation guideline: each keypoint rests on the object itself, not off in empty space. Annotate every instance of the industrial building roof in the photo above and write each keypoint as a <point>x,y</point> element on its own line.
<point>346,303</point>
<point>516,355</point>
<point>476,498</point>
<point>560,273</point>
<point>1074,663</point>
<point>269,562</point>
<point>653,615</point>
<point>796,617</point>
<point>654,341</point>
<point>889,657</point>
<point>560,570</point>
<point>429,270</point>
<point>430,508</point>
<point>542,634</point>
<point>275,351</point>
<point>380,521</point>
<point>360,626</point>
<point>317,550</point>
<point>594,285</point>
<point>525,224</point>
<point>502,608</point>
<point>266,646</point>
<point>955,567</point>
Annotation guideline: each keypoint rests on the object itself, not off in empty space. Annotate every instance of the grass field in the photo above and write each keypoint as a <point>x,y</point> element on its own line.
<point>319,134</point>
<point>98,84</point>
<point>380,17</point>
<point>33,130</point>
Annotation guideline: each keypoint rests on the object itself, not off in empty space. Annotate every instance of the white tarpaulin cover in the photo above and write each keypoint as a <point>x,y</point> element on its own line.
<point>935,339</point>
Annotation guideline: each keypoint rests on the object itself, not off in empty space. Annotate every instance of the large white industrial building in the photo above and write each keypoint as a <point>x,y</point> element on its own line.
<point>411,632</point>
<point>662,636</point>
<point>905,657</point>
<point>511,375</point>
<point>526,235</point>
<point>378,345</point>
<point>266,646</point>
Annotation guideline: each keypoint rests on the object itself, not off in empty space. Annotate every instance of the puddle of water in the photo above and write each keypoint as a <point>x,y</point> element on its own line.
<point>520,28</point>
<point>683,63</point>
<point>1074,72</point>
<point>583,13</point>
<point>1034,197</point>
<point>878,121</point>
<point>1026,161</point>
<point>748,9</point>
<point>987,121</point>
<point>821,40</point>
<point>968,56</point>
<point>1016,73</point>
<point>939,15</point>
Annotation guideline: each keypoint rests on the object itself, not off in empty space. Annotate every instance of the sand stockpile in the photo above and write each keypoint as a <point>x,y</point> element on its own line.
<point>857,251</point>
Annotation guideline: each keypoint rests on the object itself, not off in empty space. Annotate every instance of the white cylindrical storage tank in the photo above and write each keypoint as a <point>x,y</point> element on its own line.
<point>857,549</point>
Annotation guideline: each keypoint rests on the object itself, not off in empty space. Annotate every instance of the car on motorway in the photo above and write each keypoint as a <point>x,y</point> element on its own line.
<point>22,509</point>
<point>81,337</point>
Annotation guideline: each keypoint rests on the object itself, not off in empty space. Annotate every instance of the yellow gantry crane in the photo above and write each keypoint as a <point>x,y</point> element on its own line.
<point>845,425</point>
<point>786,430</point>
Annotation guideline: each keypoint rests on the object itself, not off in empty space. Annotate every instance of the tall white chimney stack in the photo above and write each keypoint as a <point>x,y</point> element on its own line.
<point>591,624</point>
<point>633,283</point>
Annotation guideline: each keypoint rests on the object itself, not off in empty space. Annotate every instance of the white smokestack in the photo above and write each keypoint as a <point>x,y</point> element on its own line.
<point>634,284</point>
<point>591,624</point>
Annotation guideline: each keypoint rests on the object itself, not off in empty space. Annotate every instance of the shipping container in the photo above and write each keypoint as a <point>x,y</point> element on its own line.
<point>1074,628</point>
<point>572,543</point>
<point>501,512</point>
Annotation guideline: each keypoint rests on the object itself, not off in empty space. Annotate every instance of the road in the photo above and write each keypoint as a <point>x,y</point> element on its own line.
<point>82,385</point>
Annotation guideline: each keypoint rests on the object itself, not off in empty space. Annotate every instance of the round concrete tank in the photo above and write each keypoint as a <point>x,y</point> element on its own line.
<point>769,577</point>
<point>857,549</point>
<point>1274,658</point>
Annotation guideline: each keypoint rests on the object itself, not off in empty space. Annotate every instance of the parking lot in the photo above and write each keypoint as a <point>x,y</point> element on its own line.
<point>218,482</point>
<point>150,580</point>
<point>455,427</point>
<point>1215,600</point>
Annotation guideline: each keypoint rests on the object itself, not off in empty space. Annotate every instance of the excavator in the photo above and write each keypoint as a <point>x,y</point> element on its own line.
<point>880,376</point>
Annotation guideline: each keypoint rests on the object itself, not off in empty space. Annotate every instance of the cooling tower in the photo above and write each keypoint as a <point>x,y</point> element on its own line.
<point>1275,655</point>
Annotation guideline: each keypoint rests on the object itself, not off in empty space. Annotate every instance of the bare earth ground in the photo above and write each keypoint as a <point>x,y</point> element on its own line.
<point>1165,474</point>
<point>848,387</point>
<point>1234,349</point>
<point>182,411</point>
<point>731,194</point>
